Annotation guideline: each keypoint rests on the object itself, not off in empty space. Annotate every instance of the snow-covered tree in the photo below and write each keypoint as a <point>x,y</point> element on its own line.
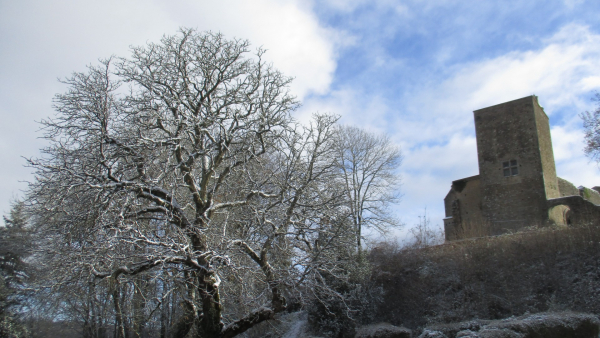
<point>181,163</point>
<point>15,246</point>
<point>368,164</point>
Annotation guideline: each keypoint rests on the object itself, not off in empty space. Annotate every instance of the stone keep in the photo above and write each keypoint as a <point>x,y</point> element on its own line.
<point>517,176</point>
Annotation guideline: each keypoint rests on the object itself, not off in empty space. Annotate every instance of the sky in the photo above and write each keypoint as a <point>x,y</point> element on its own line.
<point>413,69</point>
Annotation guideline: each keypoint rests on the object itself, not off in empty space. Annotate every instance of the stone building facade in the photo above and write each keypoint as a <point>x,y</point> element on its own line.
<point>517,185</point>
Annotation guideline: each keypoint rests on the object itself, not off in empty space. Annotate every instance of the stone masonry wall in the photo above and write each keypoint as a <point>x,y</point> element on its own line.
<point>463,209</point>
<point>590,195</point>
<point>508,132</point>
<point>517,186</point>
<point>545,148</point>
<point>567,188</point>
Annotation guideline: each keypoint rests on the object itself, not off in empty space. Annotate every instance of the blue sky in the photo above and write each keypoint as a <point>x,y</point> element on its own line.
<point>413,69</point>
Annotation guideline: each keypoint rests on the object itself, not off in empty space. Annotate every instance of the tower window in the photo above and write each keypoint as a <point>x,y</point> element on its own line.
<point>510,168</point>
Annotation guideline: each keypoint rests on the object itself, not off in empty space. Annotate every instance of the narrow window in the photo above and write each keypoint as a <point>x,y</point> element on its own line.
<point>506,166</point>
<point>510,168</point>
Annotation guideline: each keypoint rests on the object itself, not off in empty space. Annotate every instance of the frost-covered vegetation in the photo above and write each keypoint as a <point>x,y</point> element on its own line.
<point>546,325</point>
<point>475,284</point>
<point>178,197</point>
<point>490,278</point>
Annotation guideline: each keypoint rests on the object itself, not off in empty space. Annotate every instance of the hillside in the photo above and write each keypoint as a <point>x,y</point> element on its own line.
<point>490,278</point>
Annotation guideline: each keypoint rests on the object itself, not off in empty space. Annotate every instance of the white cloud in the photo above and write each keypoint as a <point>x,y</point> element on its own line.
<point>352,105</point>
<point>296,43</point>
<point>74,33</point>
<point>570,4</point>
<point>559,74</point>
<point>436,127</point>
<point>457,156</point>
<point>427,172</point>
<point>567,143</point>
<point>352,5</point>
<point>42,41</point>
<point>571,162</point>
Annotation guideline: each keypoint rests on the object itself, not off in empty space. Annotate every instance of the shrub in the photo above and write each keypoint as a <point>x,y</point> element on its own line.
<point>490,278</point>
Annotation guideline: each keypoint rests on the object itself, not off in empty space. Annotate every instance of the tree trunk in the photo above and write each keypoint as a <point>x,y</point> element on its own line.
<point>184,324</point>
<point>120,328</point>
<point>164,310</point>
<point>139,304</point>
<point>358,238</point>
<point>181,327</point>
<point>207,281</point>
<point>93,320</point>
<point>210,325</point>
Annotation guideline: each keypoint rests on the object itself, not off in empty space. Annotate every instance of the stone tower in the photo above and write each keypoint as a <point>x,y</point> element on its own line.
<point>516,164</point>
<point>517,186</point>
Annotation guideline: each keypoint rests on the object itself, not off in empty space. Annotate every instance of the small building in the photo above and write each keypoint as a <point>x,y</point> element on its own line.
<point>517,185</point>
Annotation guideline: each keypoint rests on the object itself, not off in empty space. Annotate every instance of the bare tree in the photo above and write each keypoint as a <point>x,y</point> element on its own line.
<point>424,235</point>
<point>368,164</point>
<point>591,124</point>
<point>182,163</point>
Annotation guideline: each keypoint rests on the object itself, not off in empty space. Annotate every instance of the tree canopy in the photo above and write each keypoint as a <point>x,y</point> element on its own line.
<point>177,176</point>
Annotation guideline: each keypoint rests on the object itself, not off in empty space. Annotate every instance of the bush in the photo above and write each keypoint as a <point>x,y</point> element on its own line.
<point>490,278</point>
<point>354,302</point>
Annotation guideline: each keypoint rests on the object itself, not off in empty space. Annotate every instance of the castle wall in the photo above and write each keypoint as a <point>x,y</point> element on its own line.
<point>545,148</point>
<point>463,209</point>
<point>562,213</point>
<point>581,211</point>
<point>567,188</point>
<point>517,186</point>
<point>590,195</point>
<point>508,133</point>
